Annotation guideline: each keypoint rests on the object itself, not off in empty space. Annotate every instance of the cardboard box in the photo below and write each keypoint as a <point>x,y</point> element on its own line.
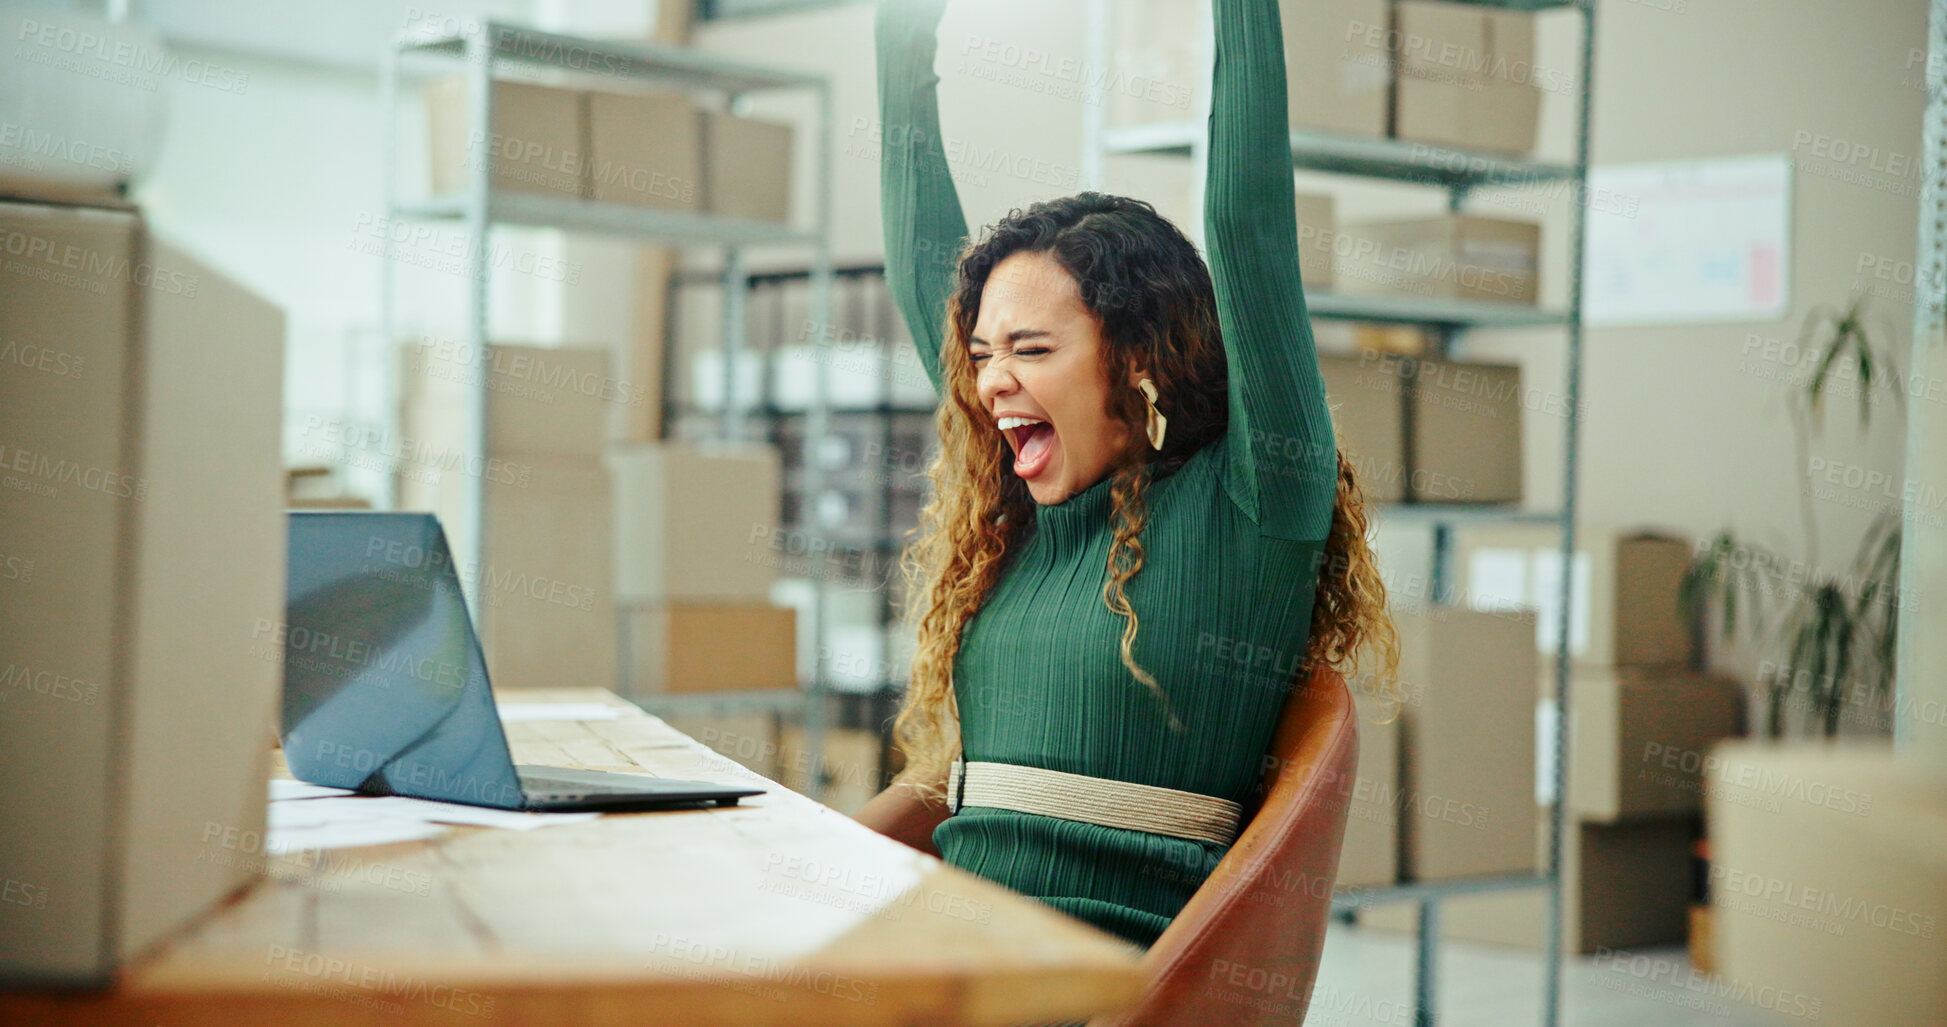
<point>1337,68</point>
<point>746,167</point>
<point>1367,415</point>
<point>698,522</point>
<point>1466,428</point>
<point>142,542</point>
<point>687,647</point>
<point>537,143</point>
<point>1625,583</point>
<point>1317,223</point>
<point>547,601</point>
<point>644,352</point>
<point>1828,880</point>
<point>1467,742</point>
<point>1464,418</point>
<point>540,400</point>
<point>1370,855</point>
<point>1464,76</point>
<point>1454,256</point>
<point>1625,885</point>
<point>645,149</point>
<point>1639,737</point>
<point>1405,340</point>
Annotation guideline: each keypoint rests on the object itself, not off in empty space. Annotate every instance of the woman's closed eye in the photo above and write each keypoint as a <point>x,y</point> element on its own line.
<point>1024,351</point>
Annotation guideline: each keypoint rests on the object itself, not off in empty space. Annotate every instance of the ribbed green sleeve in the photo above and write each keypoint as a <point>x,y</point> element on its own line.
<point>1283,457</point>
<point>924,228</point>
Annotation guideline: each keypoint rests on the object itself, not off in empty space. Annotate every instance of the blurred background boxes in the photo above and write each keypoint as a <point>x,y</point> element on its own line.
<point>1465,435</point>
<point>1465,76</point>
<point>645,149</point>
<point>144,546</point>
<point>547,605</point>
<point>1639,736</point>
<point>1366,415</point>
<point>650,149</point>
<point>1626,586</point>
<point>683,647</point>
<point>1624,885</point>
<point>746,167</point>
<point>696,522</point>
<point>1370,855</point>
<point>1466,742</point>
<point>540,400</point>
<point>1337,69</point>
<point>1338,73</point>
<point>546,594</point>
<point>1317,224</point>
<point>1453,256</point>
<point>537,144</point>
<point>1828,877</point>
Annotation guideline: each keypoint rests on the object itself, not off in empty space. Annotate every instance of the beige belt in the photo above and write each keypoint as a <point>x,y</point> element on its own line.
<point>1093,800</point>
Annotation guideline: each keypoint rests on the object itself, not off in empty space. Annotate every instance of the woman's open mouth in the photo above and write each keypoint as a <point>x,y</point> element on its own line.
<point>1033,441</point>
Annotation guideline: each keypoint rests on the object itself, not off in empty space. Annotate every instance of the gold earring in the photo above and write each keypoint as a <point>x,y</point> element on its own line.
<point>1154,421</point>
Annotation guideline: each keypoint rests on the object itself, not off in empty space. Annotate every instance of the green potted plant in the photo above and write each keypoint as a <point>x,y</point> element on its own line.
<point>1833,634</point>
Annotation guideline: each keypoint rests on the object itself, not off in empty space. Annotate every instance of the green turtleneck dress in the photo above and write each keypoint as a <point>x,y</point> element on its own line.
<point>1232,542</point>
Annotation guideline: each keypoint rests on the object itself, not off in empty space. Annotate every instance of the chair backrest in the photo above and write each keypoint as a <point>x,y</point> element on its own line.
<point>1245,948</point>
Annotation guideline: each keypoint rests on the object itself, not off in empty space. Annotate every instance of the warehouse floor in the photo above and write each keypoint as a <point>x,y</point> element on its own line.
<point>1367,978</point>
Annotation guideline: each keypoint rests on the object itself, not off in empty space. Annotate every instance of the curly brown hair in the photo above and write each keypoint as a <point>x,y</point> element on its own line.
<point>1151,293</point>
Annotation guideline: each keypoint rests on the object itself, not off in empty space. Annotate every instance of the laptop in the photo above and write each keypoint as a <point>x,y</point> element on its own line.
<point>385,686</point>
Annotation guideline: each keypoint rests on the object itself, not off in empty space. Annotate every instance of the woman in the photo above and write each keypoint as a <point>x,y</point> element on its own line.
<point>1127,438</point>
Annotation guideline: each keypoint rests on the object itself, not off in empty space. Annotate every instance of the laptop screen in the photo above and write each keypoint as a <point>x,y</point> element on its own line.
<point>383,675</point>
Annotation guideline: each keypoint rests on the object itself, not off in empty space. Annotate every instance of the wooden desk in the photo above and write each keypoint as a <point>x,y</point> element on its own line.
<point>779,911</point>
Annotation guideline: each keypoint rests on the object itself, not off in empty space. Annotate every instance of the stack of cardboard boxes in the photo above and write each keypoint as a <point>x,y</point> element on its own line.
<point>1421,429</point>
<point>1452,75</point>
<point>697,551</point>
<point>650,149</point>
<point>1446,789</point>
<point>1640,723</point>
<point>546,601</point>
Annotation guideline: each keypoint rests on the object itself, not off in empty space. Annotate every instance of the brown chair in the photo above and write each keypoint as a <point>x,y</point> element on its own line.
<point>1244,950</point>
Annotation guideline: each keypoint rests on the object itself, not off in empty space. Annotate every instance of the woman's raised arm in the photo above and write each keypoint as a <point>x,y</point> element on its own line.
<point>921,209</point>
<point>1283,457</point>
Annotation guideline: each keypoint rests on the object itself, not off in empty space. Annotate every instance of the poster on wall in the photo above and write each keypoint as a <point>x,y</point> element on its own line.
<point>1696,241</point>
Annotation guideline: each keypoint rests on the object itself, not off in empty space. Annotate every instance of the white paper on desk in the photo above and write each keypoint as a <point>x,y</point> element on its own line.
<point>345,834</point>
<point>513,712</point>
<point>281,789</point>
<point>478,816</point>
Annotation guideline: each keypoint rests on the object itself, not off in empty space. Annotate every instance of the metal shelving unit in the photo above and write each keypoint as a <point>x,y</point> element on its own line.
<point>876,543</point>
<point>484,48</point>
<point>1459,173</point>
